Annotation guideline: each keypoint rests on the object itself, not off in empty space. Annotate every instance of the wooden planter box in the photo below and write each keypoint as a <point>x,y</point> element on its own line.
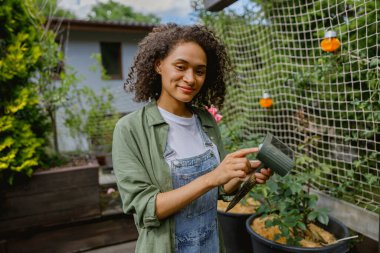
<point>51,197</point>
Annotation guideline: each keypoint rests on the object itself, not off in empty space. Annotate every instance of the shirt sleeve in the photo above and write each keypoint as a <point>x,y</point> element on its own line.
<point>137,192</point>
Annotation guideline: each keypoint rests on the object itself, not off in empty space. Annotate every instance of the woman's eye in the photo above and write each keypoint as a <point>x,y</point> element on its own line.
<point>201,72</point>
<point>180,67</point>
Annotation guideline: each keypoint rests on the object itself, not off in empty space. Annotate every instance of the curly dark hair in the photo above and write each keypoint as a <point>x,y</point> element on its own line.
<point>146,82</point>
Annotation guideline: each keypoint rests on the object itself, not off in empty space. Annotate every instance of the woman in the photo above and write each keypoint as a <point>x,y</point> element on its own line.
<point>168,156</point>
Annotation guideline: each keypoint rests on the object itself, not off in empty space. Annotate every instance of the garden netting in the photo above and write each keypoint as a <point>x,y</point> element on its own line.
<point>326,105</point>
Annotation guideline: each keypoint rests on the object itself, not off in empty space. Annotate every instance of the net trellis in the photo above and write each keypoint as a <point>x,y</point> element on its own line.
<point>326,105</point>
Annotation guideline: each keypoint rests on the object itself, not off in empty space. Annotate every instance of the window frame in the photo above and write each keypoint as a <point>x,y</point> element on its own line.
<point>120,60</point>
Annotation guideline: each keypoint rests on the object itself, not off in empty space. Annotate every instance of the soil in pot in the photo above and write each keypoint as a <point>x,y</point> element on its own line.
<point>247,206</point>
<point>264,244</point>
<point>313,238</point>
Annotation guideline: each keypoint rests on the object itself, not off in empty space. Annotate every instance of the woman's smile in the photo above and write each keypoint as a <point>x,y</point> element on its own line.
<point>186,89</point>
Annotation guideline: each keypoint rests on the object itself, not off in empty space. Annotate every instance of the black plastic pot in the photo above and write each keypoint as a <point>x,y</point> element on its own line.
<point>235,236</point>
<point>262,245</point>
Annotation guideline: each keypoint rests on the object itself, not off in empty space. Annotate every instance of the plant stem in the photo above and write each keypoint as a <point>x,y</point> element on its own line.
<point>52,116</point>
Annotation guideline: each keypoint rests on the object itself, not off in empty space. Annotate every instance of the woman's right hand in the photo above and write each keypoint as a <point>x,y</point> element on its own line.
<point>234,166</point>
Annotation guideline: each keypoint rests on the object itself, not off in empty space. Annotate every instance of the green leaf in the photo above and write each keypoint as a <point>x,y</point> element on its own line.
<point>323,218</point>
<point>269,223</point>
<point>374,62</point>
<point>301,225</point>
<point>313,199</point>
<point>312,215</point>
<point>284,231</point>
<point>273,186</point>
<point>290,221</point>
<point>371,179</point>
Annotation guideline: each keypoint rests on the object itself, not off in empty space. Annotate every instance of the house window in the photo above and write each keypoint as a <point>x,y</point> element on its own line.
<point>111,59</point>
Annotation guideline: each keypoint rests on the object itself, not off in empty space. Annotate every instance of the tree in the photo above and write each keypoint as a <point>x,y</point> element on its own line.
<point>50,8</point>
<point>114,11</point>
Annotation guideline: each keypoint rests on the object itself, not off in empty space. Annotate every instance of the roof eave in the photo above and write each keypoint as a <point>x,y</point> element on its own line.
<point>87,25</point>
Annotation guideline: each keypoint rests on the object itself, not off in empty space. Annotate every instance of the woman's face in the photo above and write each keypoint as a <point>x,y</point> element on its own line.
<point>183,72</point>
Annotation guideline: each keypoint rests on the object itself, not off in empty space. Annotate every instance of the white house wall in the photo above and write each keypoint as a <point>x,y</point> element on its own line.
<point>79,48</point>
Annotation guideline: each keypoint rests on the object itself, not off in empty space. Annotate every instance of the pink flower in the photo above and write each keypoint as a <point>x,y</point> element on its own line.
<point>214,112</point>
<point>218,117</point>
<point>110,190</point>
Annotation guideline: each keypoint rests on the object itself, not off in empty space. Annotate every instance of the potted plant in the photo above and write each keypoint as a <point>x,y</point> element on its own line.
<point>288,219</point>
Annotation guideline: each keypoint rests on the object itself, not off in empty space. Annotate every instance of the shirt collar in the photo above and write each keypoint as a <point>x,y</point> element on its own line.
<point>154,115</point>
<point>155,118</point>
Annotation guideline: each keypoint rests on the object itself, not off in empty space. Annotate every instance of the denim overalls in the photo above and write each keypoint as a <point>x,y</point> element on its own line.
<point>196,228</point>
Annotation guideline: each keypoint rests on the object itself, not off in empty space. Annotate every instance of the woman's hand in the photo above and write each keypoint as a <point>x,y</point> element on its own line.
<point>234,166</point>
<point>263,175</point>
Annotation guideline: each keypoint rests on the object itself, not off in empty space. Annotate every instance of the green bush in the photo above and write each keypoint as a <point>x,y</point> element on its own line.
<point>29,96</point>
<point>23,125</point>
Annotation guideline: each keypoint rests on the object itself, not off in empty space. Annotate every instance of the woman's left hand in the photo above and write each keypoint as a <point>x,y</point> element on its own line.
<point>263,175</point>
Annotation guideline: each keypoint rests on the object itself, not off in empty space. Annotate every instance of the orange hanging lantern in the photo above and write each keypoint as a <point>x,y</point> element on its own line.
<point>266,101</point>
<point>330,42</point>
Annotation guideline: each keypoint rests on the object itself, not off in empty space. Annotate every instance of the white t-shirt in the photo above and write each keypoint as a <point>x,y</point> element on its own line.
<point>184,136</point>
